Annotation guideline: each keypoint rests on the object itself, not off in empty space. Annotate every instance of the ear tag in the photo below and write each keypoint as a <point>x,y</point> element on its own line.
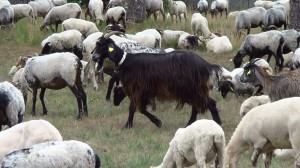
<point>110,49</point>
<point>249,72</point>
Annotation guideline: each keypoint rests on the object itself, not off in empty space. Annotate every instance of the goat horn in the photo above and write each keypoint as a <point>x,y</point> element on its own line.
<point>107,35</point>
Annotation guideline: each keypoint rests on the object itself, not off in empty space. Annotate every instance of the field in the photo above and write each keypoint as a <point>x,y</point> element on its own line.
<point>145,144</point>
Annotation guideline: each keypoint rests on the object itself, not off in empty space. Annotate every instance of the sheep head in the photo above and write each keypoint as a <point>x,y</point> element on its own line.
<point>238,59</point>
<point>106,47</point>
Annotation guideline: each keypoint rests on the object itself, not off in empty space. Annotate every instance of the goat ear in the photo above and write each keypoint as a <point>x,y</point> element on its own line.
<point>111,51</point>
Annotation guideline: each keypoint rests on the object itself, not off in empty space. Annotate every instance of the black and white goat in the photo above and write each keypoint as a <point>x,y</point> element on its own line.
<point>163,76</point>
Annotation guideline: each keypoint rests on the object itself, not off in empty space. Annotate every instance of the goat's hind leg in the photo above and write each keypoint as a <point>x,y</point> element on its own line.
<point>152,117</point>
<point>212,106</point>
<point>193,116</point>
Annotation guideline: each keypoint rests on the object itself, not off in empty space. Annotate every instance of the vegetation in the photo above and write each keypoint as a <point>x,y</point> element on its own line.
<point>145,144</point>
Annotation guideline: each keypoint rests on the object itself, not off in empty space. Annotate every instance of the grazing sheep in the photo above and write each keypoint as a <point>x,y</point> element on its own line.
<point>171,35</point>
<point>252,102</point>
<point>12,106</point>
<point>177,8</point>
<point>84,27</point>
<point>263,3</point>
<point>66,41</point>
<point>286,84</point>
<point>152,6</point>
<point>233,14</point>
<point>6,13</point>
<point>199,25</point>
<point>274,18</point>
<point>188,41</point>
<point>113,3</point>
<point>58,14</point>
<point>219,6</point>
<point>155,32</point>
<point>273,126</point>
<point>59,2</point>
<point>70,153</point>
<point>291,40</point>
<point>56,71</point>
<point>145,39</point>
<point>141,91</point>
<point>200,143</point>
<point>26,134</point>
<point>96,11</point>
<point>217,44</point>
<point>23,10</point>
<point>202,7</point>
<point>116,15</point>
<point>41,7</point>
<point>258,45</point>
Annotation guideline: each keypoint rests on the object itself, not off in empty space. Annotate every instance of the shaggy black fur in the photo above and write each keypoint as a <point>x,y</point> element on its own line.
<point>182,76</point>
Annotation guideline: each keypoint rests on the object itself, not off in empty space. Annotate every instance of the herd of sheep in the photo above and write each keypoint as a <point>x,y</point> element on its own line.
<point>145,72</point>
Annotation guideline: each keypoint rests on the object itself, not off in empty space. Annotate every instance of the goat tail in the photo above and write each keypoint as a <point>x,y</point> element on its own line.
<point>219,143</point>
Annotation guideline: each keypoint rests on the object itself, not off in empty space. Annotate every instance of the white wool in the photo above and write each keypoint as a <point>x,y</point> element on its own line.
<point>41,7</point>
<point>177,8</point>
<point>96,10</point>
<point>22,11</point>
<point>171,35</point>
<point>84,27</point>
<point>219,45</point>
<point>152,32</point>
<point>26,134</point>
<point>197,144</point>
<point>199,25</point>
<point>252,102</point>
<point>153,6</point>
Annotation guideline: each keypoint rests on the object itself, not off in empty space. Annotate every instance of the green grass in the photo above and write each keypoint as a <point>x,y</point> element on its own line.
<point>145,144</point>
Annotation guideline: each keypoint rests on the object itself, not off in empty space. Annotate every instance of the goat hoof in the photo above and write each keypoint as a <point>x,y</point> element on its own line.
<point>108,99</point>
<point>158,123</point>
<point>127,126</point>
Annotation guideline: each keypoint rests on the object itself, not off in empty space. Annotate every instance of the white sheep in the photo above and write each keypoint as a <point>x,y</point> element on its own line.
<point>70,153</point>
<point>144,38</point>
<point>217,44</point>
<point>41,7</point>
<point>19,81</point>
<point>263,3</point>
<point>56,71</point>
<point>6,13</point>
<point>202,7</point>
<point>66,41</point>
<point>252,102</point>
<point>200,143</point>
<point>23,10</point>
<point>12,106</point>
<point>219,6</point>
<point>171,35</point>
<point>84,27</point>
<point>26,134</point>
<point>233,14</point>
<point>116,15</point>
<point>273,126</point>
<point>295,62</point>
<point>154,32</point>
<point>188,41</point>
<point>274,18</point>
<point>177,8</point>
<point>58,14</point>
<point>59,2</point>
<point>199,25</point>
<point>152,6</point>
<point>291,40</point>
<point>96,11</point>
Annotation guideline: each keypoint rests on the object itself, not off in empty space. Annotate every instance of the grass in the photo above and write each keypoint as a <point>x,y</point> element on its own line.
<point>145,144</point>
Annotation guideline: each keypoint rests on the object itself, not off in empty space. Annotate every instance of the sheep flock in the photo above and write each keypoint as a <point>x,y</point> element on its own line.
<point>80,81</point>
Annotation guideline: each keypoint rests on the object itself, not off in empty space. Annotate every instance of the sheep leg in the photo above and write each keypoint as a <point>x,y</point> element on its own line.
<point>132,109</point>
<point>79,86</point>
<point>152,117</point>
<point>269,58</point>
<point>155,16</point>
<point>42,94</point>
<point>255,155</point>
<point>212,106</point>
<point>268,159</point>
<point>56,26</point>
<point>34,92</point>
<point>77,94</point>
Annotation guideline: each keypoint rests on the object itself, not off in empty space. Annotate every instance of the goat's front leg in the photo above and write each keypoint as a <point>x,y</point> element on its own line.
<point>42,95</point>
<point>212,106</point>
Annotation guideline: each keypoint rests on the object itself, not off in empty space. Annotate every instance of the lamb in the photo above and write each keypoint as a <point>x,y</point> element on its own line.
<point>177,8</point>
<point>188,41</point>
<point>66,41</point>
<point>273,126</point>
<point>12,106</point>
<point>199,25</point>
<point>70,153</point>
<point>164,65</point>
<point>41,7</point>
<point>275,18</point>
<point>277,87</point>
<point>116,15</point>
<point>252,102</point>
<point>96,11</point>
<point>58,14</point>
<point>56,71</point>
<point>23,10</point>
<point>84,27</point>
<point>26,134</point>
<point>257,45</point>
<point>152,6</point>
<point>200,143</point>
<point>202,7</point>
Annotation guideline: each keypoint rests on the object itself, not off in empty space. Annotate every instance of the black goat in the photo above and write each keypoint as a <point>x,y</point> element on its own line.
<point>179,75</point>
<point>278,87</point>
